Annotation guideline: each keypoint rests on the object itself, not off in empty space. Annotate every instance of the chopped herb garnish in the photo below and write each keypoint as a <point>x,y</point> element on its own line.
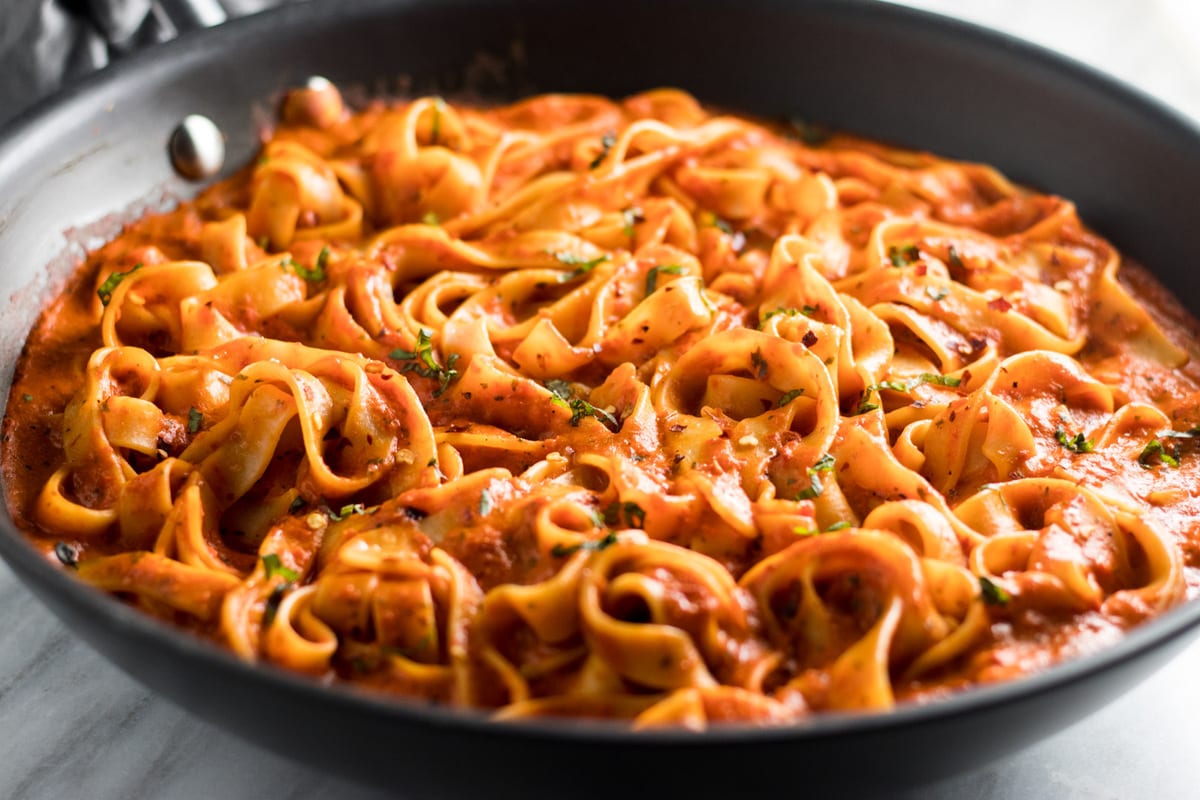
<point>1076,444</point>
<point>904,387</point>
<point>632,216</point>
<point>422,362</point>
<point>559,388</point>
<point>788,397</point>
<point>993,594</point>
<point>903,256</point>
<point>579,407</point>
<point>1153,450</point>
<point>296,505</point>
<point>629,514</point>
<point>485,503</point>
<point>559,551</point>
<point>839,526</point>
<point>652,275</point>
<point>800,530</point>
<point>271,609</point>
<point>582,266</point>
<point>936,379</point>
<point>606,144</point>
<point>955,260</point>
<point>937,294</point>
<point>195,420</point>
<point>348,510</point>
<point>105,292</point>
<point>67,554</point>
<point>1192,433</point>
<point>815,487</point>
<point>27,398</point>
<point>272,566</point>
<point>760,364</point>
<point>430,218</point>
<point>317,273</point>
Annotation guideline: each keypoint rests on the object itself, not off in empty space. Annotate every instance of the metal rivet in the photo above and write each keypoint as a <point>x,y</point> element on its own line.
<point>197,148</point>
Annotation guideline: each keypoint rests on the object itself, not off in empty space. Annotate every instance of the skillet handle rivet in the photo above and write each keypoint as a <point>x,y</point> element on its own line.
<point>197,148</point>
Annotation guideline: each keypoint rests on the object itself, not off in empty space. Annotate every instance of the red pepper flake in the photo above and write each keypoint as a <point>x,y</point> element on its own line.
<point>999,304</point>
<point>809,339</point>
<point>921,269</point>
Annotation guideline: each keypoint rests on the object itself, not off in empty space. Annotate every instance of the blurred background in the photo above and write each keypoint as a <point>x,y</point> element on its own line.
<point>1154,44</point>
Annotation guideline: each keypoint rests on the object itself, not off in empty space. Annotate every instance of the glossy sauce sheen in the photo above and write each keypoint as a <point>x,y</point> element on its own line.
<point>622,409</point>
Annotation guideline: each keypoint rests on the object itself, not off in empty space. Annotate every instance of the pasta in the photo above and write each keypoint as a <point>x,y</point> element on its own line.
<point>633,410</point>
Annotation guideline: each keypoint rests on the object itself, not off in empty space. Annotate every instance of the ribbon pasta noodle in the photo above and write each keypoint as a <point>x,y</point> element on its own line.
<point>624,409</point>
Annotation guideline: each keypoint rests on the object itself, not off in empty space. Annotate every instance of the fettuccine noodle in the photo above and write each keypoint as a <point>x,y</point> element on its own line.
<point>615,409</point>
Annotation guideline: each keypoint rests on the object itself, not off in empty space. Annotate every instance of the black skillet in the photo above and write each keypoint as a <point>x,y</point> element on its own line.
<point>876,69</point>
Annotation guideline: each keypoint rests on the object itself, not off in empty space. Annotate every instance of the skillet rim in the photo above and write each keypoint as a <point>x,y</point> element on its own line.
<point>40,574</point>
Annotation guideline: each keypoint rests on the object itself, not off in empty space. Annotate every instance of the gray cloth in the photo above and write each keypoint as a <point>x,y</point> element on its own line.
<point>45,44</point>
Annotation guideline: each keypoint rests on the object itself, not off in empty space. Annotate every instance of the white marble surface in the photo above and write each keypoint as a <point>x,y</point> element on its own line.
<point>73,726</point>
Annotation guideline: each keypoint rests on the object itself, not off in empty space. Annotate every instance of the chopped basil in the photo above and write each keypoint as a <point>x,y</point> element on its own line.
<point>1153,450</point>
<point>1076,444</point>
<point>993,594</point>
<point>272,566</point>
<point>348,510</point>
<point>422,362</point>
<point>27,398</point>
<point>838,526</point>
<point>788,397</point>
<point>904,387</point>
<point>297,504</point>
<point>815,487</point>
<point>485,503</point>
<point>760,364</point>
<point>629,514</point>
<point>559,388</point>
<point>271,609</point>
<point>606,145</point>
<point>559,551</point>
<point>317,273</point>
<point>652,275</point>
<point>111,283</point>
<point>903,256</point>
<point>67,554</point>
<point>195,420</point>
<point>580,408</point>
<point>938,294</point>
<point>582,266</point>
<point>955,260</point>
